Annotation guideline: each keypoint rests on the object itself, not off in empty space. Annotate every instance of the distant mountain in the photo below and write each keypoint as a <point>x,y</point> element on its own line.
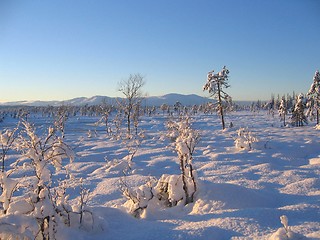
<point>169,99</point>
<point>172,98</point>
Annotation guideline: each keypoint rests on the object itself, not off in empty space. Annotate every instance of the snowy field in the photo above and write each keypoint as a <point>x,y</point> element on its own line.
<point>242,193</point>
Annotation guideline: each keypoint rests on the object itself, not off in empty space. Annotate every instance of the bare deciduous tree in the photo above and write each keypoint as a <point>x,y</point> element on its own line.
<point>132,90</point>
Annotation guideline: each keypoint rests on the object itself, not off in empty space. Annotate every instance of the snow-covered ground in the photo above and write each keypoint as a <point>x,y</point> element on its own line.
<point>242,193</point>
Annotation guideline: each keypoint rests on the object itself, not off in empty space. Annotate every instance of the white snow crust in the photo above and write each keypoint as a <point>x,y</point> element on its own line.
<point>242,192</point>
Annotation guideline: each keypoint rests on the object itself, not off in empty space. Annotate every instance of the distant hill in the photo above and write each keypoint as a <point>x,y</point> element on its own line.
<point>172,98</point>
<point>169,99</point>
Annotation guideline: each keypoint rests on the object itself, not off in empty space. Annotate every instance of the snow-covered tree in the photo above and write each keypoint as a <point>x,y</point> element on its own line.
<point>61,119</point>
<point>298,116</point>
<point>313,97</point>
<point>185,140</point>
<point>185,146</point>
<point>105,110</point>
<point>131,89</point>
<point>215,86</point>
<point>283,110</point>
<point>164,107</point>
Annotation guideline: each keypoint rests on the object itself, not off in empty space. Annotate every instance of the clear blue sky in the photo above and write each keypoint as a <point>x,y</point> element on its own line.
<point>61,49</point>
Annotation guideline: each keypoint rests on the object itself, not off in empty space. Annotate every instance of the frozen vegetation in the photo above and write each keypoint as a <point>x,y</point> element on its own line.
<point>77,174</point>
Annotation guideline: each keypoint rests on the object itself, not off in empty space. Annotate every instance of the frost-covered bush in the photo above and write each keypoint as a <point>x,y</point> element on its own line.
<point>166,192</point>
<point>169,190</point>
<point>185,143</point>
<point>245,139</point>
<point>40,201</point>
<point>138,198</point>
<point>8,187</point>
<point>7,138</point>
<point>184,140</point>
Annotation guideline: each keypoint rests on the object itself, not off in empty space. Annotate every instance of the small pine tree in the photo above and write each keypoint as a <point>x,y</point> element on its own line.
<point>214,85</point>
<point>313,98</point>
<point>298,117</point>
<point>283,110</point>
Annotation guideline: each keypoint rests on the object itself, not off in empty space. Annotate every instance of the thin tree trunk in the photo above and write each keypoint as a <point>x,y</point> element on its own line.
<point>184,184</point>
<point>220,106</point>
<point>194,184</point>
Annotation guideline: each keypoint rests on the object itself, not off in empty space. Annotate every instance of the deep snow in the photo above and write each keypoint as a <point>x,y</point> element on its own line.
<point>242,193</point>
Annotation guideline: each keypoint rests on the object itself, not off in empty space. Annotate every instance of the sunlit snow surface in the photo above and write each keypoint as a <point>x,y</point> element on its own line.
<point>242,193</point>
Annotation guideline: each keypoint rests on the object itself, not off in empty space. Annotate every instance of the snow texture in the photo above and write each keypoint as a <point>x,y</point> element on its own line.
<point>241,195</point>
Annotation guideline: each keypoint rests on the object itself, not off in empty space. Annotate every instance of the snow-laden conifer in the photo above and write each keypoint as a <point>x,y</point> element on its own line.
<point>215,86</point>
<point>313,98</point>
<point>298,116</point>
<point>283,110</point>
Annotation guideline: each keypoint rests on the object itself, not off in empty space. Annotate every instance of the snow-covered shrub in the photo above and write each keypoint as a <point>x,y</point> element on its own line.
<point>43,152</point>
<point>138,198</point>
<point>40,201</point>
<point>285,233</point>
<point>77,214</point>
<point>185,146</point>
<point>61,119</point>
<point>245,139</point>
<point>184,140</point>
<point>172,130</point>
<point>8,187</point>
<point>7,138</point>
<point>169,190</point>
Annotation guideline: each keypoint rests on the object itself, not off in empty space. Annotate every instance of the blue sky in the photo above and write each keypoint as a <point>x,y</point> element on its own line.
<point>57,50</point>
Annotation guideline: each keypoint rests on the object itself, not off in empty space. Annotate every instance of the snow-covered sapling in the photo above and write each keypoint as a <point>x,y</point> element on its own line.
<point>283,110</point>
<point>245,139</point>
<point>85,216</point>
<point>215,86</point>
<point>185,140</point>
<point>61,119</point>
<point>185,146</point>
